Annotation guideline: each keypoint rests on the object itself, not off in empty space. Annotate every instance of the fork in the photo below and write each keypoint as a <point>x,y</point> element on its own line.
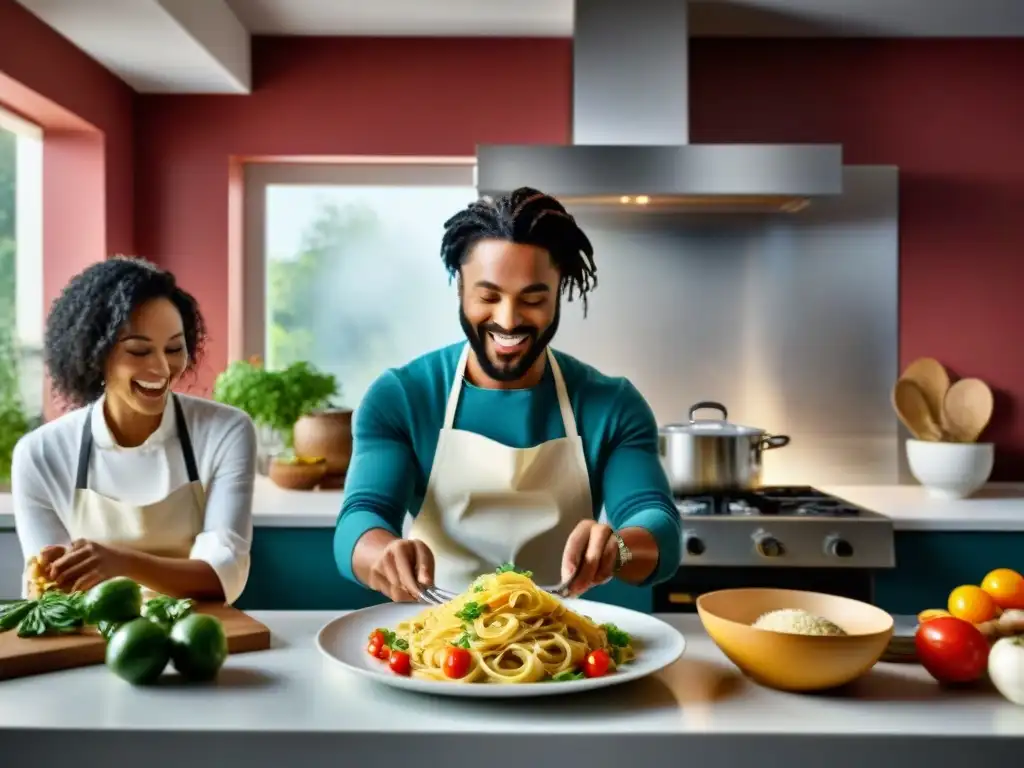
<point>436,596</point>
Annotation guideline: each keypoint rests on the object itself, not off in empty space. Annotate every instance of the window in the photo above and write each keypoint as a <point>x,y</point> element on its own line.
<point>343,266</point>
<point>21,281</point>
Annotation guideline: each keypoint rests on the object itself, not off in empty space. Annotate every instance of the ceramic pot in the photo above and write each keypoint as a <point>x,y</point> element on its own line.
<point>297,474</point>
<point>326,434</point>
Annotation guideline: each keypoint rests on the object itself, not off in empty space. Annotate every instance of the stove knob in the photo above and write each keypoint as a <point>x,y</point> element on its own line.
<point>768,546</point>
<point>693,545</point>
<point>838,547</point>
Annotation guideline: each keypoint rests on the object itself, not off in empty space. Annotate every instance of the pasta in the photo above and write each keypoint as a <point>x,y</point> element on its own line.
<point>38,582</point>
<point>506,630</point>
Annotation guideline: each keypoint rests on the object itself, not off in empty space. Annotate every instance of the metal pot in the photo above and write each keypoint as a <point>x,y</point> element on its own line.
<point>713,454</point>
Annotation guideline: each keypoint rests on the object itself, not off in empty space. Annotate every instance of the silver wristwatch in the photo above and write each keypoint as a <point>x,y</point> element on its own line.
<point>625,554</point>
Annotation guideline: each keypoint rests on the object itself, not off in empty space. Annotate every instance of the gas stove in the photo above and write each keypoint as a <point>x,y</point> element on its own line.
<point>782,526</point>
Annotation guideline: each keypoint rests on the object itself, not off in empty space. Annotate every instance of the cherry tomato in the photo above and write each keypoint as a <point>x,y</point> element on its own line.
<point>373,649</point>
<point>377,637</point>
<point>400,663</point>
<point>596,664</point>
<point>384,653</point>
<point>456,662</point>
<point>952,650</point>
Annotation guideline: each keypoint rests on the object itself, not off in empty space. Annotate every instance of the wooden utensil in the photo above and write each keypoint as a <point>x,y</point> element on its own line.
<point>912,408</point>
<point>20,657</point>
<point>932,379</point>
<point>968,407</point>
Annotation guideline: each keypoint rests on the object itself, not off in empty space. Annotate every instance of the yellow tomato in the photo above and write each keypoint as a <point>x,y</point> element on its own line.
<point>972,604</point>
<point>1006,587</point>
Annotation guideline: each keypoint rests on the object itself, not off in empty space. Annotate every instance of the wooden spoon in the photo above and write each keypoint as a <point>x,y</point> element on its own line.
<point>968,408</point>
<point>932,379</point>
<point>912,408</point>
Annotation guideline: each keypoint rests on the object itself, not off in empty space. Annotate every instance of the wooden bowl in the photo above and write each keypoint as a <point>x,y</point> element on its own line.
<point>297,474</point>
<point>791,662</point>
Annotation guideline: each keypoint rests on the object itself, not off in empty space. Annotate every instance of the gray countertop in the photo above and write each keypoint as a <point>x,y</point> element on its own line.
<point>292,704</point>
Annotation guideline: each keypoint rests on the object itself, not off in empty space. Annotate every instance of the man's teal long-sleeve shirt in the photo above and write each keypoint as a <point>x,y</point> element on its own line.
<point>396,428</point>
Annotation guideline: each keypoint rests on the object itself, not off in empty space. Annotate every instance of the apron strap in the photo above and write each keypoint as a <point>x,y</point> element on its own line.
<point>186,442</point>
<point>84,452</point>
<point>85,448</point>
<point>456,390</point>
<point>564,405</point>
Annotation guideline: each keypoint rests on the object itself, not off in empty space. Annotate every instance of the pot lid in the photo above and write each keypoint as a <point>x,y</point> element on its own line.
<point>712,427</point>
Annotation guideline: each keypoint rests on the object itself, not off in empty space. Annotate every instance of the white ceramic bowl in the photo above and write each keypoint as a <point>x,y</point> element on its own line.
<point>950,470</point>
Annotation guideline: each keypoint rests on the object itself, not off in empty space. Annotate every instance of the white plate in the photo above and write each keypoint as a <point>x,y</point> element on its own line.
<point>344,640</point>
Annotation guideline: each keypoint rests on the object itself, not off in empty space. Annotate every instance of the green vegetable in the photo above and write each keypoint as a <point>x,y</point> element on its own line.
<point>470,611</point>
<point>138,651</point>
<point>509,567</point>
<point>167,610</point>
<point>566,676</point>
<point>393,641</point>
<point>616,637</point>
<point>117,600</point>
<point>465,640</point>
<point>12,613</point>
<point>53,613</point>
<point>199,647</point>
<point>108,628</point>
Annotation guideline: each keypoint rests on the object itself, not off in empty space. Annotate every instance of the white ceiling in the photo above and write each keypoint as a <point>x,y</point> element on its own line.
<point>202,46</point>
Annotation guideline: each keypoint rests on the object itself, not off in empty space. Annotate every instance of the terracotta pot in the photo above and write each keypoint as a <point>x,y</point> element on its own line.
<point>326,433</point>
<point>297,475</point>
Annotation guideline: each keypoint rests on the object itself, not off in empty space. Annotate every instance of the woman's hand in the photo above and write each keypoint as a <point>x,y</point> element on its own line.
<point>590,553</point>
<point>85,564</point>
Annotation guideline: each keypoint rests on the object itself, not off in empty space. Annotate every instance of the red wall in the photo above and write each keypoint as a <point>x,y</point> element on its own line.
<point>87,116</point>
<point>948,113</point>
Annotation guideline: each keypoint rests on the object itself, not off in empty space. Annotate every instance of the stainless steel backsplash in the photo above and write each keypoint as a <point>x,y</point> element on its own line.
<point>789,320</point>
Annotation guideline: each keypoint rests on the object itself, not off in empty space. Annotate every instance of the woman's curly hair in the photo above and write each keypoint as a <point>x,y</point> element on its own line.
<point>86,320</point>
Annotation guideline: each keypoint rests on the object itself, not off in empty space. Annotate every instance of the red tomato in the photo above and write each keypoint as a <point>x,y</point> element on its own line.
<point>596,664</point>
<point>384,653</point>
<point>377,638</point>
<point>400,663</point>
<point>456,662</point>
<point>952,650</point>
<point>373,649</point>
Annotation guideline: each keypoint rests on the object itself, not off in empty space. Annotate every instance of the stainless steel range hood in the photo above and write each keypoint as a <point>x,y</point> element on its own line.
<point>631,130</point>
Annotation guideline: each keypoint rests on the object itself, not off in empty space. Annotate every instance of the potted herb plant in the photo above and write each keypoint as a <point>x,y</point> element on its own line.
<point>276,400</point>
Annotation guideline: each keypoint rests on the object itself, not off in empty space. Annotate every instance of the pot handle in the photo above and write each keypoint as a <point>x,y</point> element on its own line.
<point>774,441</point>
<point>708,404</point>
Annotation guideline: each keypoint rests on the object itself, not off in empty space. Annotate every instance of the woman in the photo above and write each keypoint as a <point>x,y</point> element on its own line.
<point>138,481</point>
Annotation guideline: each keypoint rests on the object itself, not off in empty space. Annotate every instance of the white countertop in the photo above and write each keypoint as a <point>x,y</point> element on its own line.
<point>997,507</point>
<point>293,689</point>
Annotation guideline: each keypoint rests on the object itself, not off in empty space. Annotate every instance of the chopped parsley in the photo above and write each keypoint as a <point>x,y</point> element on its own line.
<point>509,567</point>
<point>478,588</point>
<point>470,611</point>
<point>393,641</point>
<point>567,676</point>
<point>464,641</point>
<point>616,637</point>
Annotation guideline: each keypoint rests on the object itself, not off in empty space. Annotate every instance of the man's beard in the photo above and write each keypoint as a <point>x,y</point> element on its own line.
<point>517,365</point>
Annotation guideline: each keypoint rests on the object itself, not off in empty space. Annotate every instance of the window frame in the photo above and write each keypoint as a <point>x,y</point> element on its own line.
<point>247,297</point>
<point>29,249</point>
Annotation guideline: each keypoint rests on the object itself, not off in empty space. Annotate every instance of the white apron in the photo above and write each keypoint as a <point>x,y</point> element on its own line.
<point>168,527</point>
<point>487,504</point>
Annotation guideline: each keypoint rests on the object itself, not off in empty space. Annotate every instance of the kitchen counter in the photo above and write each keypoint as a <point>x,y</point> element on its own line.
<point>997,507</point>
<point>292,706</point>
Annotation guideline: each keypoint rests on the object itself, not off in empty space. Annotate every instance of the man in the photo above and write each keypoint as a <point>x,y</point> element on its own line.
<point>503,450</point>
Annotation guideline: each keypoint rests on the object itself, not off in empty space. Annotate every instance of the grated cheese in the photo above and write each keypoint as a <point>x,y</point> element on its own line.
<point>797,622</point>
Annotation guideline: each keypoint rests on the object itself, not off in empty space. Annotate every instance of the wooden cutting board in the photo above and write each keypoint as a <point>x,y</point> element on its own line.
<point>20,656</point>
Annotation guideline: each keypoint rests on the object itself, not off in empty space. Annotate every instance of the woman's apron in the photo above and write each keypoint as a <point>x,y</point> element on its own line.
<point>167,527</point>
<point>487,504</point>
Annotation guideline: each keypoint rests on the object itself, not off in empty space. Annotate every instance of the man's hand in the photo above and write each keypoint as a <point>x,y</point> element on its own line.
<point>592,548</point>
<point>402,567</point>
<point>84,565</point>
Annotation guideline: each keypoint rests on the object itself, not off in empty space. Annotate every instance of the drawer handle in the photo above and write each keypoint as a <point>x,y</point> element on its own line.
<point>680,598</point>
